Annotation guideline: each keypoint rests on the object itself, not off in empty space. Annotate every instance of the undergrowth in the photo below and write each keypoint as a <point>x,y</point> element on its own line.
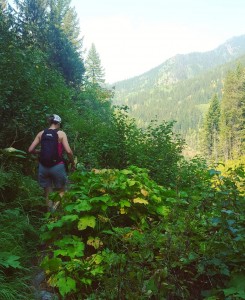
<point>119,235</point>
<point>20,217</point>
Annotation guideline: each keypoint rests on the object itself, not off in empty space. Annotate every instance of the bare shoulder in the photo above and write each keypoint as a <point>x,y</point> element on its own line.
<point>39,135</point>
<point>61,134</point>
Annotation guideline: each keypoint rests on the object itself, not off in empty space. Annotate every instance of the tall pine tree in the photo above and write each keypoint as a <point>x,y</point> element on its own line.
<point>65,46</point>
<point>211,129</point>
<point>96,92</point>
<point>94,71</point>
<point>232,136</point>
<point>32,21</point>
<point>52,26</point>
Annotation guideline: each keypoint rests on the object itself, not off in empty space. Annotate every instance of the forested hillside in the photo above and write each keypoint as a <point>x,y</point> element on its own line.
<point>180,89</point>
<point>138,220</point>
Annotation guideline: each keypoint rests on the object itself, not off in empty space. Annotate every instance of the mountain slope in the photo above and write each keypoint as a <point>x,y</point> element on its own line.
<point>180,88</point>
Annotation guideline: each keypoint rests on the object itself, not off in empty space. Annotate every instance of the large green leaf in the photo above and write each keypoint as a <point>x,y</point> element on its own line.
<point>51,264</point>
<point>86,221</point>
<point>124,203</point>
<point>66,285</point>
<point>163,210</point>
<point>9,260</point>
<point>104,199</point>
<point>236,286</point>
<point>80,205</point>
<point>70,246</point>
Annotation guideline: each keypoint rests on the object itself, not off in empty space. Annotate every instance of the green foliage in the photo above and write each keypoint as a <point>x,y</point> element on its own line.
<point>20,208</point>
<point>18,240</point>
<point>14,288</point>
<point>121,143</point>
<point>30,88</point>
<point>212,129</point>
<point>119,235</point>
<point>95,213</point>
<point>175,89</point>
<point>223,128</point>
<point>181,88</point>
<point>8,260</point>
<point>26,191</point>
<point>161,152</point>
<point>52,26</point>
<point>94,71</point>
<point>107,138</point>
<point>232,115</point>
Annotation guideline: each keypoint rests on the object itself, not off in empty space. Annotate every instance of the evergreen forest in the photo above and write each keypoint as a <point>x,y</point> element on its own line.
<point>181,89</point>
<point>139,220</point>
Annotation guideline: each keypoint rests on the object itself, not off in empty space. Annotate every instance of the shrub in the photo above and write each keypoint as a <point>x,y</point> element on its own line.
<point>119,235</point>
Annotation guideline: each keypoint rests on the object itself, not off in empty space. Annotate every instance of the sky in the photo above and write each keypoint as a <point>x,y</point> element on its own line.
<point>134,36</point>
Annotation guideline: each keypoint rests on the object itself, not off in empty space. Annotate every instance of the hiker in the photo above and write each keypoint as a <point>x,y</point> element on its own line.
<point>51,171</point>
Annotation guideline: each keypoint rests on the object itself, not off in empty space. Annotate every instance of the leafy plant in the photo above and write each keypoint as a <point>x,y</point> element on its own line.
<point>120,235</point>
<point>108,205</point>
<point>18,242</point>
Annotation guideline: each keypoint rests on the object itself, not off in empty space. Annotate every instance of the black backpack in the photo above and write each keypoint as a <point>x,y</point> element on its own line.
<point>49,155</point>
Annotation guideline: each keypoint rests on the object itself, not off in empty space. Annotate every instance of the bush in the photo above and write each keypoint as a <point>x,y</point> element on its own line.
<point>119,235</point>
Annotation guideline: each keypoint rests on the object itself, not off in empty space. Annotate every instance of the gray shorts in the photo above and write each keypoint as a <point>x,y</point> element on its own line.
<point>52,177</point>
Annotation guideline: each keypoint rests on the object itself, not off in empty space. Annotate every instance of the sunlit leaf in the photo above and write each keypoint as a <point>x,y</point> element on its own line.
<point>97,258</point>
<point>131,182</point>
<point>86,221</point>
<point>140,201</point>
<point>97,271</point>
<point>156,198</point>
<point>94,242</point>
<point>122,211</point>
<point>144,192</point>
<point>163,210</point>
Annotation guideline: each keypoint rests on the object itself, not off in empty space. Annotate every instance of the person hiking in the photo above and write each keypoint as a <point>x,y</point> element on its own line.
<point>51,170</point>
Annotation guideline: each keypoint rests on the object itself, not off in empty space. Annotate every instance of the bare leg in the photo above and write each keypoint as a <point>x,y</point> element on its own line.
<point>47,191</point>
<point>61,193</point>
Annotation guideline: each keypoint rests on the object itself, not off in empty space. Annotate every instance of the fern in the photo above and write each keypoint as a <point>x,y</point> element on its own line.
<point>14,288</point>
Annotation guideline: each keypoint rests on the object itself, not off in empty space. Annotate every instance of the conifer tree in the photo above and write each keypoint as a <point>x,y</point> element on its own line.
<point>52,26</point>
<point>212,129</point>
<point>65,18</point>
<point>32,21</point>
<point>232,136</point>
<point>71,27</point>
<point>94,71</point>
<point>65,46</point>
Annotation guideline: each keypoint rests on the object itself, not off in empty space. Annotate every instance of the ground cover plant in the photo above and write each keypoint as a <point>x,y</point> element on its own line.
<point>119,235</point>
<point>20,217</point>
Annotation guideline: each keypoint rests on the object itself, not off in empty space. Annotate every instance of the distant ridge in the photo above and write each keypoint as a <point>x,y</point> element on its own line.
<point>180,88</point>
<point>193,63</point>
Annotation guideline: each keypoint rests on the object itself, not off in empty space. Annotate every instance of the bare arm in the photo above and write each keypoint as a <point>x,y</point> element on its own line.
<point>67,147</point>
<point>34,144</point>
